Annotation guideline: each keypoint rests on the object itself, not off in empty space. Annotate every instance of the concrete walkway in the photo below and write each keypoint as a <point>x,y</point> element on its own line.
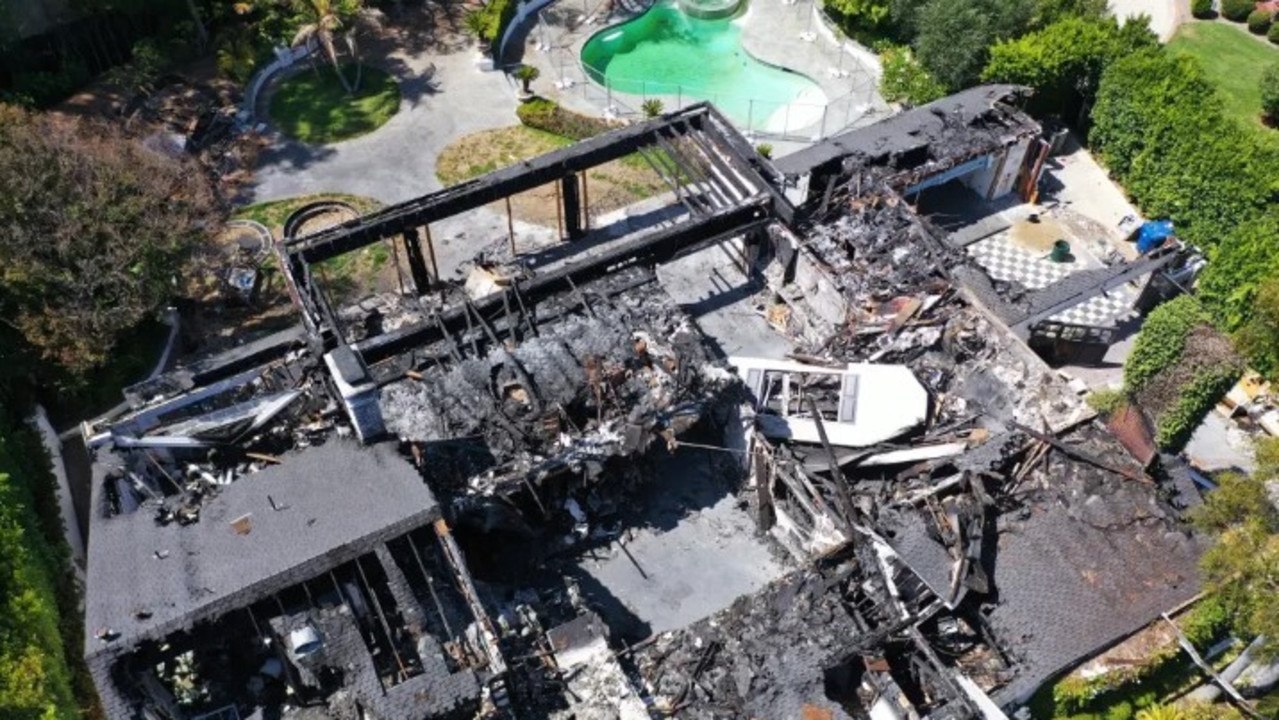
<point>445,97</point>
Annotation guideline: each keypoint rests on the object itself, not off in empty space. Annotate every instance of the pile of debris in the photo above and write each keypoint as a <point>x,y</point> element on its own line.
<point>604,376</point>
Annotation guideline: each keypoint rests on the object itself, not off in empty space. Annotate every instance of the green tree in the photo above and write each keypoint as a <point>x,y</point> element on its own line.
<point>1244,259</point>
<point>94,228</point>
<point>1048,12</point>
<point>1239,497</point>
<point>327,21</point>
<point>1064,61</point>
<point>904,80</point>
<point>1258,338</point>
<point>527,74</point>
<point>651,107</point>
<point>954,36</point>
<point>952,41</point>
<point>1242,566</point>
<point>866,15</point>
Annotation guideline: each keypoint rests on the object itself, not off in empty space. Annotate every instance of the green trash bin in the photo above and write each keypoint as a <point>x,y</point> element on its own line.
<point>1061,252</point>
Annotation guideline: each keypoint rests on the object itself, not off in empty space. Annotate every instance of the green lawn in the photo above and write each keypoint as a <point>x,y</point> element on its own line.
<point>1232,60</point>
<point>315,108</point>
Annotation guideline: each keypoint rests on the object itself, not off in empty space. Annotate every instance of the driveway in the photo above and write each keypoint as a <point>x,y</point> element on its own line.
<point>445,96</point>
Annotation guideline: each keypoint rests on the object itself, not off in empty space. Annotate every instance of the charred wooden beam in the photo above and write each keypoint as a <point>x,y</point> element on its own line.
<point>648,249</point>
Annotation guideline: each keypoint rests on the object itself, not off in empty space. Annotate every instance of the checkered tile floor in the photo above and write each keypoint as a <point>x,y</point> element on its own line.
<point>1008,262</point>
<point>1101,311</point>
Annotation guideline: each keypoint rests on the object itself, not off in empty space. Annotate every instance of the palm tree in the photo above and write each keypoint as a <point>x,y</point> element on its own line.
<point>325,20</point>
<point>527,74</point>
<point>652,107</point>
<point>328,18</point>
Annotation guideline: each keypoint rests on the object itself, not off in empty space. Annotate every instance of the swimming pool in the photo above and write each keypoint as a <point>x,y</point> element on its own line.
<point>666,52</point>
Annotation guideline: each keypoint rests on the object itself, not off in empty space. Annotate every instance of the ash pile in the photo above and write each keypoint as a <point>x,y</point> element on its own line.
<point>603,371</point>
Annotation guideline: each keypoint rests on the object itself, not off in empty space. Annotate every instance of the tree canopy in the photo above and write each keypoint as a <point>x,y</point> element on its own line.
<point>94,229</point>
<point>1064,61</point>
<point>1242,567</point>
<point>953,37</point>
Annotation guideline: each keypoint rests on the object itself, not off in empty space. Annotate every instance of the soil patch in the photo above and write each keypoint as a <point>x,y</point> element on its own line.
<point>610,187</point>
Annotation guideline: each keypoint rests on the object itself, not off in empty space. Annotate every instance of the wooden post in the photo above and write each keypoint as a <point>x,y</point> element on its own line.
<point>559,213</point>
<point>430,249</point>
<point>586,205</point>
<point>510,226</point>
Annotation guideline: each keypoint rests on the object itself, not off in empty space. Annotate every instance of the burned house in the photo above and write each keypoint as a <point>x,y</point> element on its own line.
<point>736,457</point>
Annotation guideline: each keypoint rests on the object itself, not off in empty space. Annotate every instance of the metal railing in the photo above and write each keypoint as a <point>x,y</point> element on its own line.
<point>798,120</point>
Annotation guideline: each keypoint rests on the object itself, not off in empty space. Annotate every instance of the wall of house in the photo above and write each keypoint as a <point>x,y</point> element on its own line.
<point>1007,175</point>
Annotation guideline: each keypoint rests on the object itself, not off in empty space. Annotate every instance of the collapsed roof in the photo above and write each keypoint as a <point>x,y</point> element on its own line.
<point>954,530</point>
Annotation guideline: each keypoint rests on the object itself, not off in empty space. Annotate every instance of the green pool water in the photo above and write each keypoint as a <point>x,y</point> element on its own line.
<point>666,52</point>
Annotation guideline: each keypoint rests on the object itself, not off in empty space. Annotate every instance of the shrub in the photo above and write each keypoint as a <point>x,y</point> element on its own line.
<point>1064,61</point>
<point>488,21</point>
<point>526,74</point>
<point>1259,22</point>
<point>1237,10</point>
<point>1162,338</point>
<point>1206,622</point>
<point>35,680</point>
<point>1106,400</point>
<point>904,80</point>
<point>1273,34</point>
<point>765,150</point>
<point>1121,710</point>
<point>652,107</point>
<point>544,114</point>
<point>1270,92</point>
<point>1182,395</point>
<point>1201,8</point>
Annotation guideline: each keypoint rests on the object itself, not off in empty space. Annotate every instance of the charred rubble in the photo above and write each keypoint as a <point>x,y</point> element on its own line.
<point>391,512</point>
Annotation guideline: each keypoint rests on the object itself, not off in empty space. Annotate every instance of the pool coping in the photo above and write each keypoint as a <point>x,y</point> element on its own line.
<point>771,32</point>
<point>738,13</point>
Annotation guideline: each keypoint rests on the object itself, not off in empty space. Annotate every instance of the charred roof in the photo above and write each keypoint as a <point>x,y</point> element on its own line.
<point>316,508</point>
<point>940,133</point>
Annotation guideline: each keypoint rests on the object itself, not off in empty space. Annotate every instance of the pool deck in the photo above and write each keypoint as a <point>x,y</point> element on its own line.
<point>787,35</point>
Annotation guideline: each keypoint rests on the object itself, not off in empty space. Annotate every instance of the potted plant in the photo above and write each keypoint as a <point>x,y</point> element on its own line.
<point>526,74</point>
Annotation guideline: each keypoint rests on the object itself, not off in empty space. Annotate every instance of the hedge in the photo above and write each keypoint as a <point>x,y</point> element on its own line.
<point>35,681</point>
<point>1196,399</point>
<point>1237,10</point>
<point>1162,338</point>
<point>547,115</point>
<point>1159,127</point>
<point>494,17</point>
<point>1259,22</point>
<point>1273,34</point>
<point>1201,8</point>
